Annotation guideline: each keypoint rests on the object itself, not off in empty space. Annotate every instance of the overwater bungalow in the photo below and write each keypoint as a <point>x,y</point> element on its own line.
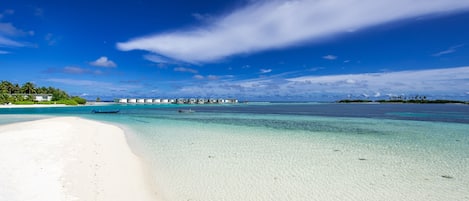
<point>192,100</point>
<point>157,100</point>
<point>200,101</point>
<point>180,101</point>
<point>149,100</point>
<point>132,100</point>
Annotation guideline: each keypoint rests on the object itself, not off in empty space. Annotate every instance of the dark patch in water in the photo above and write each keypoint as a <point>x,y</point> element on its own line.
<point>446,176</point>
<point>312,126</point>
<point>362,159</point>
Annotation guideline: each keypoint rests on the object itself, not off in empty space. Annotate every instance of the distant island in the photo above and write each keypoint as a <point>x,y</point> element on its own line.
<point>414,100</point>
<point>28,94</point>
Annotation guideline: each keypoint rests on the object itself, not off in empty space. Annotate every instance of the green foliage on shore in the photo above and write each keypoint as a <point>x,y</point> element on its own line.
<point>414,101</point>
<point>24,94</point>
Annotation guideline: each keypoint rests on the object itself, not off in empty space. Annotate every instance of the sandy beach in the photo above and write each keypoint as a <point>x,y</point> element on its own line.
<point>33,106</point>
<point>69,158</point>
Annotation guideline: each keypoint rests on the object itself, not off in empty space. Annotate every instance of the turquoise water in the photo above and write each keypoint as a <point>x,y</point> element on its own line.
<point>298,151</point>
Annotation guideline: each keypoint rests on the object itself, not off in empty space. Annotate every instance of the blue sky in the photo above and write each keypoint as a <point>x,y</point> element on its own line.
<point>248,49</point>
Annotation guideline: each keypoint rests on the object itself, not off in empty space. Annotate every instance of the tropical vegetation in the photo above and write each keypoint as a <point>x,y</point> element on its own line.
<point>403,99</point>
<point>24,94</point>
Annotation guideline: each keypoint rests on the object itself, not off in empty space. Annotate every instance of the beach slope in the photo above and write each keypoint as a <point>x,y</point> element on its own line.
<point>69,158</point>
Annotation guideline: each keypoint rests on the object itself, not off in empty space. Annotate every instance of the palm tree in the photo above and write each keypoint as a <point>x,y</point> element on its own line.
<point>6,87</point>
<point>28,88</point>
<point>16,89</point>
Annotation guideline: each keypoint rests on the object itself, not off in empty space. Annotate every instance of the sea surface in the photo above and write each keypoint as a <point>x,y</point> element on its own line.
<point>293,151</point>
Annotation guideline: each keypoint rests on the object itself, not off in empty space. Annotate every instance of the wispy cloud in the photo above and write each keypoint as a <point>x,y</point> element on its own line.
<point>5,42</point>
<point>450,50</point>
<point>9,33</point>
<point>186,70</point>
<point>103,62</point>
<point>157,59</point>
<point>203,17</point>
<point>97,88</point>
<point>199,77</point>
<point>267,25</point>
<point>6,12</point>
<point>330,57</point>
<point>4,52</point>
<point>265,70</point>
<point>51,39</point>
<point>75,70</point>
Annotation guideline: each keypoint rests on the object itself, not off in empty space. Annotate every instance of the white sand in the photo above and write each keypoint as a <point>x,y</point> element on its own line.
<point>33,106</point>
<point>69,158</point>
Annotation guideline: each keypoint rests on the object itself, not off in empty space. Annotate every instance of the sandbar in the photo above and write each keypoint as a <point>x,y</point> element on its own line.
<point>69,158</point>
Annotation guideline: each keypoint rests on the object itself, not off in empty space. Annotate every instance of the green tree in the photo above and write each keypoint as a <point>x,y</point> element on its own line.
<point>58,94</point>
<point>41,90</point>
<point>16,89</point>
<point>79,100</point>
<point>6,87</point>
<point>98,99</point>
<point>28,88</point>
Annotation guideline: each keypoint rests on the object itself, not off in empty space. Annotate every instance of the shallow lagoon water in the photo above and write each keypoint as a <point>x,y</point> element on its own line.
<point>301,151</point>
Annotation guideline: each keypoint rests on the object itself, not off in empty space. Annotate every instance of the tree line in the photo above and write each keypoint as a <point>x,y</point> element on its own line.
<point>22,94</point>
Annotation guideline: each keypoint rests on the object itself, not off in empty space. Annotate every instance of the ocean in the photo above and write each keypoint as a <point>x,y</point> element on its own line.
<point>293,151</point>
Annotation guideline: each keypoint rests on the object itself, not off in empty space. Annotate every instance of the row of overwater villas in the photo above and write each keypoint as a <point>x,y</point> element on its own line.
<point>176,101</point>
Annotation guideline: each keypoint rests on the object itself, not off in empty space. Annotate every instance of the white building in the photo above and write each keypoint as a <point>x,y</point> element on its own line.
<point>122,100</point>
<point>164,101</point>
<point>201,101</point>
<point>140,100</point>
<point>149,100</point>
<point>192,101</point>
<point>157,100</point>
<point>132,100</point>
<point>42,97</point>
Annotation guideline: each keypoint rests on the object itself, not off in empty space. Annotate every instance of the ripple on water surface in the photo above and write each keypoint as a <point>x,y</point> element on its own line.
<point>283,157</point>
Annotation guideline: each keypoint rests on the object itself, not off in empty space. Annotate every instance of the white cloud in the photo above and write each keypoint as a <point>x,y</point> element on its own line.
<point>435,82</point>
<point>275,24</point>
<point>100,88</point>
<point>4,52</point>
<point>5,42</point>
<point>447,51</point>
<point>103,62</point>
<point>51,39</point>
<point>330,57</point>
<point>78,70</point>
<point>199,77</point>
<point>156,59</point>
<point>202,17</point>
<point>212,77</point>
<point>186,70</point>
<point>265,70</point>
<point>7,29</point>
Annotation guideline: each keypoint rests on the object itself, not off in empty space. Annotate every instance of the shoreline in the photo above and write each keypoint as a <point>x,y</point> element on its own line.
<point>33,106</point>
<point>70,158</point>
